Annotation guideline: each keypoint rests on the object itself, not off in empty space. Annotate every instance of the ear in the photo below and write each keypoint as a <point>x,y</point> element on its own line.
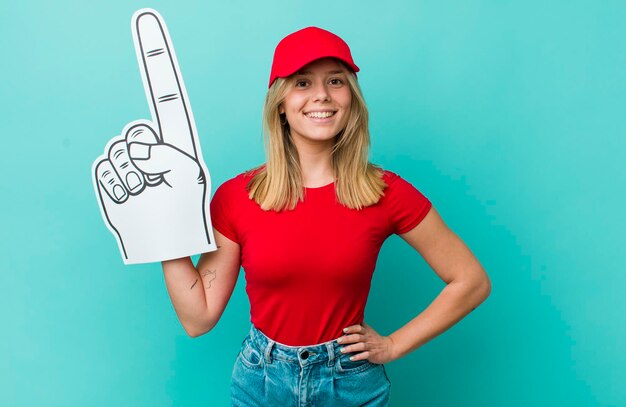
<point>281,109</point>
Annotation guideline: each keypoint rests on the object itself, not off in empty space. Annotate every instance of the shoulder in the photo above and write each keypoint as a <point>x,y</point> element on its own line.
<point>398,187</point>
<point>405,204</point>
<point>394,181</point>
<point>390,177</point>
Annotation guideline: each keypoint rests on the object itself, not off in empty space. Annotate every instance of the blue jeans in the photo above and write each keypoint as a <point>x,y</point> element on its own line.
<point>267,373</point>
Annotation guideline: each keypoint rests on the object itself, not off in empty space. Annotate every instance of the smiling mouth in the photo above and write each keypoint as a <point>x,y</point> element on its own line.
<point>319,115</point>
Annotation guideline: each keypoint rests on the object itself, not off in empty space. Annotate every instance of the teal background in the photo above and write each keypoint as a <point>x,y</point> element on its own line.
<point>508,115</point>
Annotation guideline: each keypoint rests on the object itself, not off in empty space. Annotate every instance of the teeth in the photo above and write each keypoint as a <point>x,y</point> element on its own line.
<point>320,115</point>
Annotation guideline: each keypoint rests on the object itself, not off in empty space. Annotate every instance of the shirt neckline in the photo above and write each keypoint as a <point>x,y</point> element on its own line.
<point>319,188</point>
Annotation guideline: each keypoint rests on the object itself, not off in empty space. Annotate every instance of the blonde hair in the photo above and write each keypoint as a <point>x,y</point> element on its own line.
<point>278,184</point>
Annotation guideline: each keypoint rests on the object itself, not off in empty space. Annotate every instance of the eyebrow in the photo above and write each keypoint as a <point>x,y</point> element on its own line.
<point>309,72</point>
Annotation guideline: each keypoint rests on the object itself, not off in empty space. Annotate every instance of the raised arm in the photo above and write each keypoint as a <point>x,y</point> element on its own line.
<point>200,294</point>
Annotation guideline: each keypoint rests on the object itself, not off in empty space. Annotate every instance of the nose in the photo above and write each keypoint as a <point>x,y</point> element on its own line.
<point>321,93</point>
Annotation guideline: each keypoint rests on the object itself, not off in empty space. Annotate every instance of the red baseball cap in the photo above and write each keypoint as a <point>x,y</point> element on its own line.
<point>304,46</point>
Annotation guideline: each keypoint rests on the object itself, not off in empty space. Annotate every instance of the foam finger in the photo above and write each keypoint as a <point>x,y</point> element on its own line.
<point>109,181</point>
<point>144,134</point>
<point>163,81</point>
<point>130,175</point>
<point>141,133</point>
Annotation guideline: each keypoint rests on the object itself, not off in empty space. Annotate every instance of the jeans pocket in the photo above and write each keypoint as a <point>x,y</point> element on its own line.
<point>250,356</point>
<point>344,365</point>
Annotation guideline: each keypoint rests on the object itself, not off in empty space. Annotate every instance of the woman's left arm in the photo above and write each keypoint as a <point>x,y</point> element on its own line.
<point>467,285</point>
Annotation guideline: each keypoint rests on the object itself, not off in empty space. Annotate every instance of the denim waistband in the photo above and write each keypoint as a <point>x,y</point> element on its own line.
<point>302,355</point>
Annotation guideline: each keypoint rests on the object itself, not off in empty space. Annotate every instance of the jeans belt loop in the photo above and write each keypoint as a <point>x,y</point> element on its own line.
<point>331,353</point>
<point>268,351</point>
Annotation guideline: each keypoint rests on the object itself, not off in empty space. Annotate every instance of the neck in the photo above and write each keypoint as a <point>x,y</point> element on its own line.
<point>315,162</point>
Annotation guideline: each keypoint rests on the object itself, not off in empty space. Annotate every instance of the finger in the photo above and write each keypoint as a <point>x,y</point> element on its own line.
<point>141,133</point>
<point>163,82</point>
<point>360,356</point>
<point>352,338</point>
<point>353,329</point>
<point>110,182</point>
<point>144,134</point>
<point>131,176</point>
<point>357,347</point>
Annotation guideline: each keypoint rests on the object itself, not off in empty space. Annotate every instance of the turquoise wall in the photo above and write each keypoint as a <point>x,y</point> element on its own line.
<point>508,115</point>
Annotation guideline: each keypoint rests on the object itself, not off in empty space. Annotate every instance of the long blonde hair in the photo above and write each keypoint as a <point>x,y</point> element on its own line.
<point>278,184</point>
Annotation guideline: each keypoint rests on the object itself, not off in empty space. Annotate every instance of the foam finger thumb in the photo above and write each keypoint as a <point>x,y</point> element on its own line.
<point>173,164</point>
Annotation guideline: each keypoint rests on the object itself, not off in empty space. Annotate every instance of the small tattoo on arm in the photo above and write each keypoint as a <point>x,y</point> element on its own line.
<point>194,284</point>
<point>211,274</point>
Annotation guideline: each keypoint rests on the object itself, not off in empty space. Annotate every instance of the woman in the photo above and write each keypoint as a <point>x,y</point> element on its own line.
<point>307,228</point>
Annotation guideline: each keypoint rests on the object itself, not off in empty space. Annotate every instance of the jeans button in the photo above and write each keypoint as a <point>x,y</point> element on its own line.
<point>304,355</point>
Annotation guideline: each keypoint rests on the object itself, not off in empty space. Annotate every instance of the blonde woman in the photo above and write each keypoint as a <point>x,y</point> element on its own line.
<point>307,227</point>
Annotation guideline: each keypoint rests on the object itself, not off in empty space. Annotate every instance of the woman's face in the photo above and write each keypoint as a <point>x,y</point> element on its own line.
<point>317,102</point>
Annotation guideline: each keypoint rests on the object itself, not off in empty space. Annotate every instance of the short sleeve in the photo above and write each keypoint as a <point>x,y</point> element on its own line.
<point>406,205</point>
<point>221,206</point>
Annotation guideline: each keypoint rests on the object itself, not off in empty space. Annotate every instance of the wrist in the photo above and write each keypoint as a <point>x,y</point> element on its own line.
<point>394,352</point>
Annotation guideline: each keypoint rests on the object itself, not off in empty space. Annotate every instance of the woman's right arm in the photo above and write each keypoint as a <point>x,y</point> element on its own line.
<point>200,294</point>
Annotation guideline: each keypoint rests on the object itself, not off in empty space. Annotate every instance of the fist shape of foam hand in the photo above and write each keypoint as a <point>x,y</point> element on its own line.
<point>151,183</point>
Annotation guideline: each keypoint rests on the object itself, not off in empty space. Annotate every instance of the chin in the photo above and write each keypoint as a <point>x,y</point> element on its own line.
<point>323,138</point>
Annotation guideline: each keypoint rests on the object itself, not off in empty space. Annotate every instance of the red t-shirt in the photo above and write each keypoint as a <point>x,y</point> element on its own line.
<point>308,270</point>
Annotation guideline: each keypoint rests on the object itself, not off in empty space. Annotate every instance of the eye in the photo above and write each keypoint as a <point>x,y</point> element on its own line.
<point>300,83</point>
<point>336,81</point>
